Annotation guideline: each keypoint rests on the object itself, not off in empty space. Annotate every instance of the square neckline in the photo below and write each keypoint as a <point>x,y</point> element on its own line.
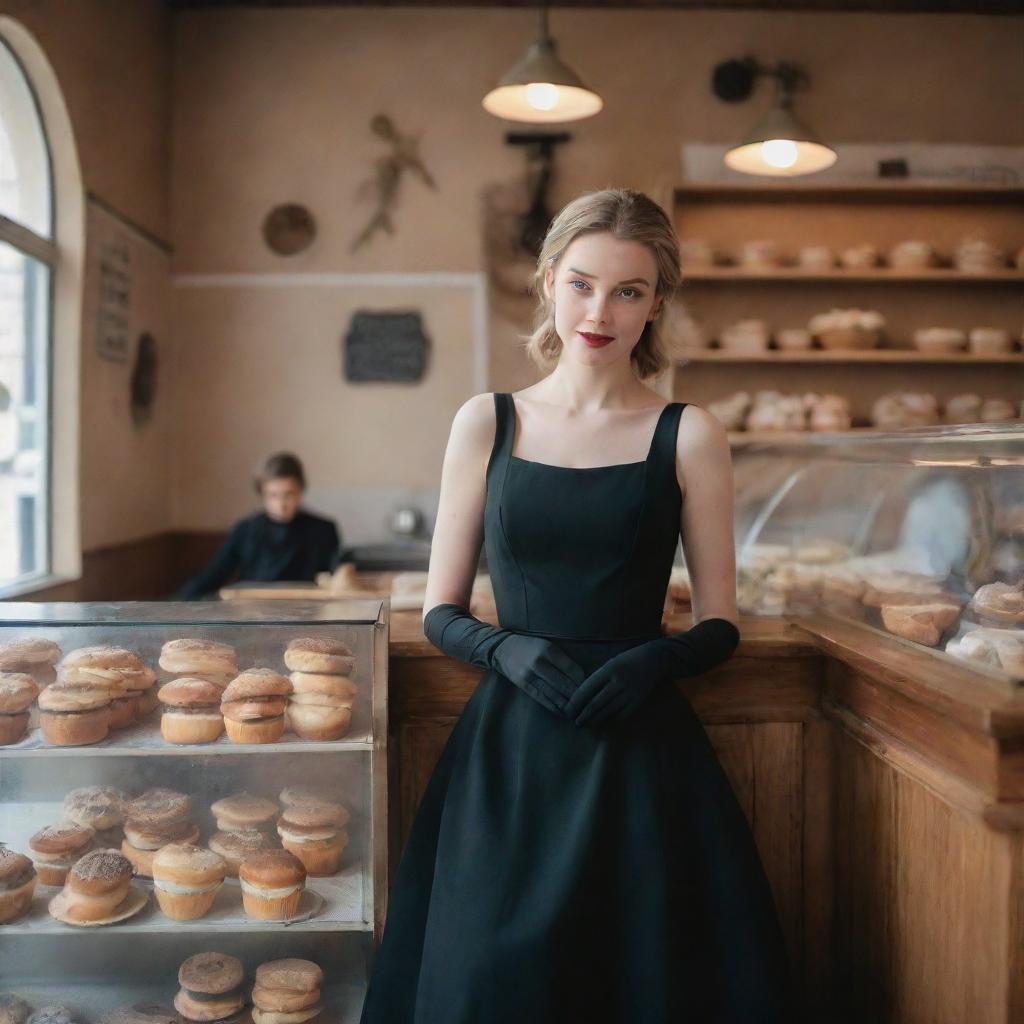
<point>583,469</point>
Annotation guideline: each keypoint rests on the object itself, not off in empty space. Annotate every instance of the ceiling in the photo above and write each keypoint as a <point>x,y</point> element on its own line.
<point>876,6</point>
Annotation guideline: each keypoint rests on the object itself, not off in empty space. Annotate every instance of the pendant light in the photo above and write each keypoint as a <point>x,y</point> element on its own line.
<point>780,145</point>
<point>540,89</point>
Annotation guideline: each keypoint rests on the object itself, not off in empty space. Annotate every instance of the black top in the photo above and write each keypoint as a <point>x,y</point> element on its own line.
<point>258,548</point>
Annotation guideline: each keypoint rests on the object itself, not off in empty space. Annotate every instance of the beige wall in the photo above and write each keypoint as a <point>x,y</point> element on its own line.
<point>273,105</point>
<point>111,59</point>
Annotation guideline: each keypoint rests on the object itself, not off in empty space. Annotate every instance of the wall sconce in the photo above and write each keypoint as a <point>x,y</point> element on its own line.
<point>779,145</point>
<point>540,89</point>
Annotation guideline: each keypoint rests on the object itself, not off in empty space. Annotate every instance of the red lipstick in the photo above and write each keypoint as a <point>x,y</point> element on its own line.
<point>595,340</point>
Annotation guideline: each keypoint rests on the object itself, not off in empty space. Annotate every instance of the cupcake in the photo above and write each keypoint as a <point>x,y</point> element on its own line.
<point>272,885</point>
<point>72,716</point>
<point>155,819</point>
<point>253,706</point>
<point>99,808</point>
<point>191,711</point>
<point>17,884</point>
<point>235,847</point>
<point>96,886</point>
<point>314,831</point>
<point>55,850</point>
<point>244,812</point>
<point>186,880</point>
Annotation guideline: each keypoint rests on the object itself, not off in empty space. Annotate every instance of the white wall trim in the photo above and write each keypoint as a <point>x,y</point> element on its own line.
<point>477,282</point>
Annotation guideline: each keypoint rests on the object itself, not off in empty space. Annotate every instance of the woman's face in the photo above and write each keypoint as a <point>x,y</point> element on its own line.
<point>281,497</point>
<point>603,290</point>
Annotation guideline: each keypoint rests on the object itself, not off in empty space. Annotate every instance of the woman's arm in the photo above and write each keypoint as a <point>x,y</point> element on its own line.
<point>459,530</point>
<point>704,470</point>
<point>218,570</point>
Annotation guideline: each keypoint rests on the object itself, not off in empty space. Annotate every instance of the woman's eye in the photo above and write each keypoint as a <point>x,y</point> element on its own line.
<point>633,293</point>
<point>574,283</point>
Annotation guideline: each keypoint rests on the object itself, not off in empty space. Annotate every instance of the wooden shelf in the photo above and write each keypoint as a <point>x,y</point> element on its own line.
<point>878,355</point>
<point>879,275</point>
<point>849,192</point>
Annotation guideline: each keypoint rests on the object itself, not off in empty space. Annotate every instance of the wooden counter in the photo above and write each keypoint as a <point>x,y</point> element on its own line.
<point>885,789</point>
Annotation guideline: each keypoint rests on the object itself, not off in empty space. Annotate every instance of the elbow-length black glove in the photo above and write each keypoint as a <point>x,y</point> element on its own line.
<point>623,683</point>
<point>532,663</point>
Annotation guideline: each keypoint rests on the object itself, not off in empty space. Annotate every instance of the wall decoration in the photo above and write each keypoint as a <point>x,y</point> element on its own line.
<point>289,229</point>
<point>388,347</point>
<point>144,377</point>
<point>114,306</point>
<point>387,176</point>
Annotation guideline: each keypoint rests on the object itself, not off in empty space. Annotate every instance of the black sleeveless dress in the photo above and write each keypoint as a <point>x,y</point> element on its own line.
<point>564,875</point>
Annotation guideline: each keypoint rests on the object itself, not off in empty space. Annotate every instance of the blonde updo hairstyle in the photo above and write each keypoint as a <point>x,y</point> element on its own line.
<point>629,216</point>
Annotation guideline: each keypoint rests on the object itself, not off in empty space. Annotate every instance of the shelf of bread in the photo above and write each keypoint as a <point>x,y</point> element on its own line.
<point>331,903</point>
<point>877,275</point>
<point>877,355</point>
<point>144,738</point>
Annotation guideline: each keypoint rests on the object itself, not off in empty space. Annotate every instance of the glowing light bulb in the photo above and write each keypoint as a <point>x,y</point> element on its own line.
<point>779,153</point>
<point>542,95</point>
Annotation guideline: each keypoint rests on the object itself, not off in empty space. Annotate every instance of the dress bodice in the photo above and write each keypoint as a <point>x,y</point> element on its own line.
<point>582,553</point>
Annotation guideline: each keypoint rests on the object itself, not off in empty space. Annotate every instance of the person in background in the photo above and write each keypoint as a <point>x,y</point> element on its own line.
<point>282,542</point>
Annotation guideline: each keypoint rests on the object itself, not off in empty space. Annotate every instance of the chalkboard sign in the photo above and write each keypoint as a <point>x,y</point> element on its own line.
<point>385,347</point>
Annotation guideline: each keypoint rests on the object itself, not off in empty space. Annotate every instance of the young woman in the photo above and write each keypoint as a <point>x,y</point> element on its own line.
<point>579,856</point>
<point>282,542</point>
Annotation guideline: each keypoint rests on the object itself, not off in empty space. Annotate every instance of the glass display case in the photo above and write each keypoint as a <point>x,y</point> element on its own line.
<point>321,795</point>
<point>915,533</point>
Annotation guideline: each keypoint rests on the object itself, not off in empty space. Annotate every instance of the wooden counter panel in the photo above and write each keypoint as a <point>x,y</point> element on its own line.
<point>925,897</point>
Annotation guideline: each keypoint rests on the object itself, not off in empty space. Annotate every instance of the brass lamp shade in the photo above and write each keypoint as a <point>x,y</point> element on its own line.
<point>780,146</point>
<point>540,89</point>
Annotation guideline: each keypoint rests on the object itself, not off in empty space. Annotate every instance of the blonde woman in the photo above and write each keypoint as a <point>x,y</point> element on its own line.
<point>579,856</point>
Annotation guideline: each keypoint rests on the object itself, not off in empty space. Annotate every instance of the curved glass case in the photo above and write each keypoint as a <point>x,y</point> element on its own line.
<point>919,533</point>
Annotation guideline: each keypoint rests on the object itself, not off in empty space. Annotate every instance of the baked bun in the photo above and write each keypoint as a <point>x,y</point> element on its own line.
<point>158,806</point>
<point>319,724</point>
<point>95,807</point>
<point>72,716</point>
<point>319,654</point>
<point>275,1017</point>
<point>17,884</point>
<point>17,691</point>
<point>198,657</point>
<point>272,884</point>
<point>12,1009</point>
<point>314,832</point>
<point>302,795</point>
<point>55,849</point>
<point>289,975</point>
<point>924,623</point>
<point>1000,602</point>
<point>257,682</point>
<point>140,1013</point>
<point>211,987</point>
<point>186,880</point>
<point>191,711</point>
<point>253,706</point>
<point>244,812</point>
<point>329,691</point>
<point>28,654</point>
<point>96,885</point>
<point>234,847</point>
<point>102,657</point>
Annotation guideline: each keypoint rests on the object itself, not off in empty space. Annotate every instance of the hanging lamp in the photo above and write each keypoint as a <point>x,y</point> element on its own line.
<point>780,145</point>
<point>540,89</point>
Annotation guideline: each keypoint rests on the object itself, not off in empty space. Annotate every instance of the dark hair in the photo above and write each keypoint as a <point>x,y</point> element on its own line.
<point>281,465</point>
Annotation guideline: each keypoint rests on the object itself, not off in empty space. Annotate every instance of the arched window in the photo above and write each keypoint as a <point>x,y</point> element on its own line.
<point>27,258</point>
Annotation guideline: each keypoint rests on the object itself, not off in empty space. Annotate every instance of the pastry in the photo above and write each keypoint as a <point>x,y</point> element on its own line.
<point>287,989</point>
<point>319,654</point>
<point>912,255</point>
<point>859,257</point>
<point>695,253</point>
<point>745,336</point>
<point>847,328</point>
<point>989,341</point>
<point>997,410</point>
<point>12,1009</point>
<point>253,706</point>
<point>211,987</point>
<point>941,340</point>
<point>33,655</point>
<point>155,819</point>
<point>244,812</point>
<point>71,716</point>
<point>234,847</point>
<point>55,849</point>
<point>272,884</point>
<point>731,411</point>
<point>186,880</point>
<point>109,667</point>
<point>314,831</point>
<point>794,339</point>
<point>206,658</point>
<point>191,711</point>
<point>905,409</point>
<point>17,691</point>
<point>96,886</point>
<point>964,408</point>
<point>99,808</point>
<point>759,254</point>
<point>816,257</point>
<point>141,684</point>
<point>1000,602</point>
<point>320,706</point>
<point>903,588</point>
<point>17,884</point>
<point>140,1013</point>
<point>820,550</point>
<point>923,623</point>
<point>773,411</point>
<point>978,256</point>
<point>829,412</point>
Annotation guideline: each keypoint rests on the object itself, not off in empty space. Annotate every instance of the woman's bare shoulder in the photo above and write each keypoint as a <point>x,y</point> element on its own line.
<point>474,424</point>
<point>700,435</point>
